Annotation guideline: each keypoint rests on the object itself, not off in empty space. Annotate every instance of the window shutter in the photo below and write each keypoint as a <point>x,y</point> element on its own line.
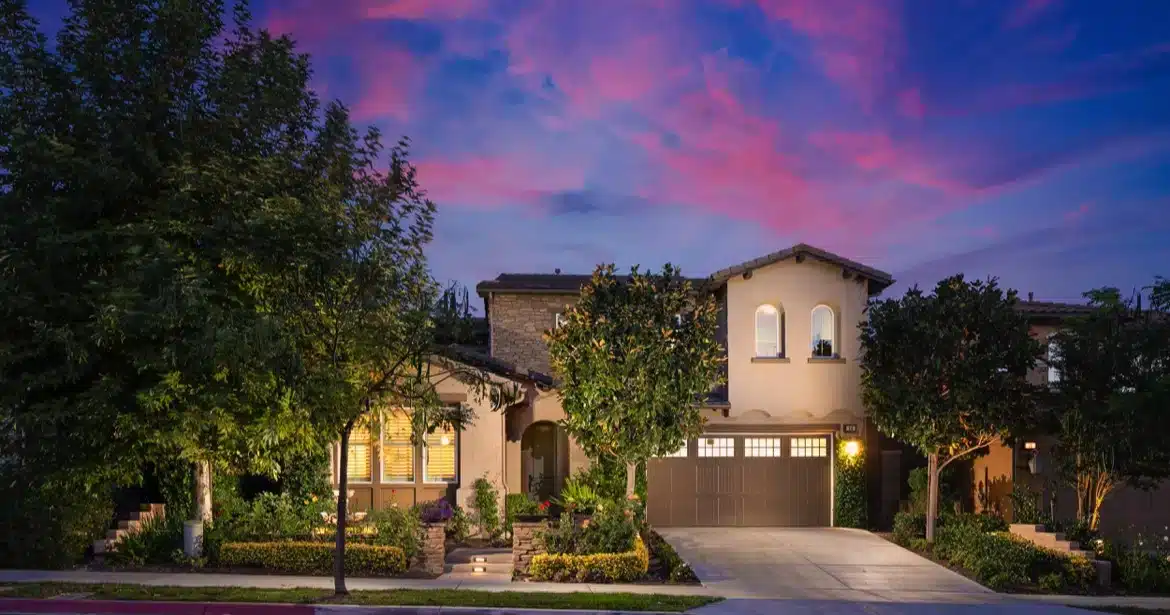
<point>360,464</point>
<point>397,451</point>
<point>440,456</point>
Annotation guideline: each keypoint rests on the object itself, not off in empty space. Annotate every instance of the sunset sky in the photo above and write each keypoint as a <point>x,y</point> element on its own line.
<point>1026,139</point>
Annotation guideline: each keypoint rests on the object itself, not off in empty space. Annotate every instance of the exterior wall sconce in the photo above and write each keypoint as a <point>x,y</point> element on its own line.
<point>852,448</point>
<point>1033,454</point>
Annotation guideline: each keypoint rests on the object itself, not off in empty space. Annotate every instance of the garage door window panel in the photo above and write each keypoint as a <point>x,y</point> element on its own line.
<point>717,447</point>
<point>762,447</point>
<point>809,447</point>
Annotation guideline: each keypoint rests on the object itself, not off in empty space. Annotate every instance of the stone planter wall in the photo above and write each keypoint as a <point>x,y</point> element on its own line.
<point>524,544</point>
<point>433,556</point>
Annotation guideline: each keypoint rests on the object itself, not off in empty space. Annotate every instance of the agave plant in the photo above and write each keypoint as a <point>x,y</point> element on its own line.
<point>577,497</point>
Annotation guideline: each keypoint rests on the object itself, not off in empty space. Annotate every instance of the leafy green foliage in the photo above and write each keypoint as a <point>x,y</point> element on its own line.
<point>313,558</point>
<point>635,357</point>
<point>611,529</point>
<point>578,496</point>
<point>1026,506</point>
<point>908,526</point>
<point>398,527</point>
<point>518,505</point>
<point>459,527</point>
<point>1140,569</point>
<point>674,569</point>
<point>596,568</point>
<point>1108,406</point>
<point>947,372</point>
<point>849,489</point>
<point>271,517</point>
<point>50,524</point>
<point>950,487</point>
<point>485,508</point>
<point>153,544</point>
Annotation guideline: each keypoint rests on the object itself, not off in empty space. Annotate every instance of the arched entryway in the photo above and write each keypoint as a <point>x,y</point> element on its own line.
<point>544,459</point>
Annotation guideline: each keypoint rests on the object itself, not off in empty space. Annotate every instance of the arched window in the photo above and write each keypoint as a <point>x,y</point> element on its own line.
<point>769,332</point>
<point>824,342</point>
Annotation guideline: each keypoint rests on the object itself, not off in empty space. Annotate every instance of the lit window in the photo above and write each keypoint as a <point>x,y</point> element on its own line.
<point>810,447</point>
<point>439,454</point>
<point>682,452</point>
<point>359,464</point>
<point>716,447</point>
<point>768,332</point>
<point>397,450</point>
<point>823,346</point>
<point>1053,355</point>
<point>761,447</point>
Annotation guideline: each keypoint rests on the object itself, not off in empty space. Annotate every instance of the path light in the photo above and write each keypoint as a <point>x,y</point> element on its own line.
<point>852,448</point>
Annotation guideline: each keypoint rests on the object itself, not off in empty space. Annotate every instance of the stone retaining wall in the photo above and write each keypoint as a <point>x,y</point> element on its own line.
<point>524,545</point>
<point>432,557</point>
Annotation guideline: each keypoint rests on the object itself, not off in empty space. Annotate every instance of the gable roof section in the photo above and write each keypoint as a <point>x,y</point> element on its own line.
<point>878,280</point>
<point>543,283</point>
<point>499,367</point>
<point>1052,310</point>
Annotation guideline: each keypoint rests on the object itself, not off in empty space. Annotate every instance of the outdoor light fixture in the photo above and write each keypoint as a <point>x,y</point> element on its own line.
<point>444,440</point>
<point>852,448</point>
<point>1029,446</point>
<point>479,569</point>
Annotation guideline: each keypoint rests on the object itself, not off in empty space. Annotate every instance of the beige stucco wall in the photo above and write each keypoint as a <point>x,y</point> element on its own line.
<point>481,446</point>
<point>796,391</point>
<point>544,406</point>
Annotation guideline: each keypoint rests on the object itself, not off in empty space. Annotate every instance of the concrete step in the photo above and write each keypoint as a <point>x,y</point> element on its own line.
<point>115,535</point>
<point>1065,546</point>
<point>1082,553</point>
<point>129,524</point>
<point>476,569</point>
<point>479,556</point>
<point>102,546</point>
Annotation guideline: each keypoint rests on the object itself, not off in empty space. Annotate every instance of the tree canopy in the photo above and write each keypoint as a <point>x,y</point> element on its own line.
<point>635,357</point>
<point>1109,402</point>
<point>947,372</point>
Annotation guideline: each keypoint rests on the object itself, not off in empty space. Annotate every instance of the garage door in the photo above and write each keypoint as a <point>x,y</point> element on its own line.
<point>726,480</point>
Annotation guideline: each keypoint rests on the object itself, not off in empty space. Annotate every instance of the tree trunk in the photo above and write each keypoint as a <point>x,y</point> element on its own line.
<point>342,504</point>
<point>931,496</point>
<point>202,510</point>
<point>631,479</point>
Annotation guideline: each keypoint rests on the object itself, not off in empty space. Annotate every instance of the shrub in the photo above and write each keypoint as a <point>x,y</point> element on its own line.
<point>516,505</point>
<point>1001,561</point>
<point>313,557</point>
<point>982,522</point>
<point>597,568</point>
<point>1138,571</point>
<point>578,496</point>
<point>673,567</point>
<point>849,489</point>
<point>485,507</point>
<point>1025,504</point>
<point>908,526</point>
<point>949,488</point>
<point>397,527</point>
<point>274,517</point>
<point>50,522</point>
<point>439,511</point>
<point>154,543</point>
<point>459,527</point>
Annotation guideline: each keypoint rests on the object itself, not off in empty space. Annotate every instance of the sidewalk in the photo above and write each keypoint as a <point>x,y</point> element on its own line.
<point>198,579</point>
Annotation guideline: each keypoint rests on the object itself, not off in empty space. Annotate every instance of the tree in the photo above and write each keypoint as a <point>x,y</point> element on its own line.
<point>1109,403</point>
<point>947,372</point>
<point>140,159</point>
<point>359,306</point>
<point>635,356</point>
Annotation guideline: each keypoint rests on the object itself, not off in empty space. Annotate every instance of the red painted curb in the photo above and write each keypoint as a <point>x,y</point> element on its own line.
<point>140,607</point>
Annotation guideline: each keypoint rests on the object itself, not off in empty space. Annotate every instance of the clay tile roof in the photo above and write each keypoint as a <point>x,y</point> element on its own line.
<point>480,360</point>
<point>550,283</point>
<point>879,280</point>
<point>1051,309</point>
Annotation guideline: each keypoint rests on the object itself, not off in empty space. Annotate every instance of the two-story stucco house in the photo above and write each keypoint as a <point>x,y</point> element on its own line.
<point>788,325</point>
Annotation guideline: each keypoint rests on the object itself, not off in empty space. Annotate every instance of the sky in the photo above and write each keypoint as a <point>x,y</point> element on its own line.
<point>1023,139</point>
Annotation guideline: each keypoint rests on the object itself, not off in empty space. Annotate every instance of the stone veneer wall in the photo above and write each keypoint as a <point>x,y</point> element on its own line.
<point>432,558</point>
<point>518,323</point>
<point>524,545</point>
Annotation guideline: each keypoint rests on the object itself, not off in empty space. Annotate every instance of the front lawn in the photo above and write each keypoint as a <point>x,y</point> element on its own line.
<point>394,597</point>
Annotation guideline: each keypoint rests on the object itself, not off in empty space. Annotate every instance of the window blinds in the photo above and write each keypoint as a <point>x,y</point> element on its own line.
<point>440,456</point>
<point>397,451</point>
<point>359,465</point>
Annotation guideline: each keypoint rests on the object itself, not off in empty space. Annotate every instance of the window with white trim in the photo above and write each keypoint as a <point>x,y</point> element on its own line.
<point>824,345</point>
<point>559,320</point>
<point>716,447</point>
<point>809,447</point>
<point>359,461</point>
<point>761,447</point>
<point>769,331</point>
<point>439,457</point>
<point>397,449</point>
<point>1053,355</point>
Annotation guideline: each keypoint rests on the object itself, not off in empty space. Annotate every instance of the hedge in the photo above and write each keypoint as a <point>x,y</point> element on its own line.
<point>598,568</point>
<point>313,557</point>
<point>849,492</point>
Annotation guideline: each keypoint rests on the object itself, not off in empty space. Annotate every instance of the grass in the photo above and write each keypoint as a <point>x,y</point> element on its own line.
<point>395,597</point>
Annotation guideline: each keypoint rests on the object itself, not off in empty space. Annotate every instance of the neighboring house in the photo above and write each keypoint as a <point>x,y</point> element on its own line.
<point>1029,462</point>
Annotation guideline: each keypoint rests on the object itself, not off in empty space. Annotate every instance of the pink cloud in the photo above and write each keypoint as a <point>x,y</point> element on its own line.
<point>390,82</point>
<point>419,9</point>
<point>858,44</point>
<point>910,103</point>
<point>1076,215</point>
<point>495,181</point>
<point>1026,12</point>
<point>876,152</point>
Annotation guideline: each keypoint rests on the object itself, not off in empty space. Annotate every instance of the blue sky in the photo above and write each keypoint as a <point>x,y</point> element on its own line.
<point>1025,139</point>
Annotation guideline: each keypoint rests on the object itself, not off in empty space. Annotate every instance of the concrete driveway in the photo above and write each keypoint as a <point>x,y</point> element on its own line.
<point>817,564</point>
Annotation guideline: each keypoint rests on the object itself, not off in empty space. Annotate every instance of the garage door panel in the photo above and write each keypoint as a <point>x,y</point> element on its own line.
<point>769,488</point>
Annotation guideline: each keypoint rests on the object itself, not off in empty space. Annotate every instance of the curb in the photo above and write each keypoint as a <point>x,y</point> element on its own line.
<point>14,606</point>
